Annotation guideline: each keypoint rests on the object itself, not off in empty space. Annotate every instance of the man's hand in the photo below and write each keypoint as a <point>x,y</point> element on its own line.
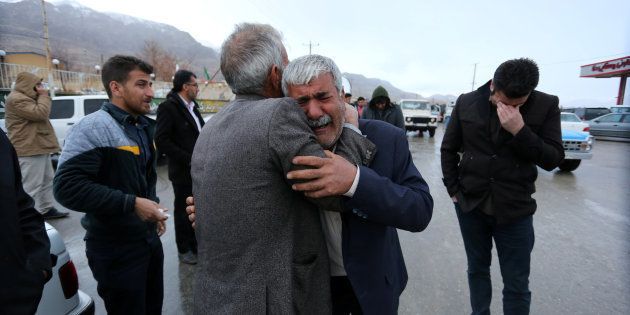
<point>161,228</point>
<point>510,118</point>
<point>331,176</point>
<point>149,210</point>
<point>190,209</point>
<point>41,90</point>
<point>352,116</point>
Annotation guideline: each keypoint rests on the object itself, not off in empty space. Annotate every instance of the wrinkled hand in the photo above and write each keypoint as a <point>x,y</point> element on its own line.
<point>161,228</point>
<point>149,210</point>
<point>190,209</point>
<point>331,176</point>
<point>352,116</point>
<point>510,118</point>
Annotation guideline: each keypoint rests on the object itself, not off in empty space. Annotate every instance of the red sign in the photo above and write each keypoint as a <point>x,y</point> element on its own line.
<point>610,68</point>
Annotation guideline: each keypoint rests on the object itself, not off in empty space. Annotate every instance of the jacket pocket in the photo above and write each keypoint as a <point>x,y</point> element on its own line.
<point>304,271</point>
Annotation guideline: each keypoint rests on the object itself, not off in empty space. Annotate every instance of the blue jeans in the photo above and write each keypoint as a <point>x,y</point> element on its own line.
<point>514,242</point>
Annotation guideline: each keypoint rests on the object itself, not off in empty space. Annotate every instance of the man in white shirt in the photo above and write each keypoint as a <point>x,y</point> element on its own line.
<point>178,125</point>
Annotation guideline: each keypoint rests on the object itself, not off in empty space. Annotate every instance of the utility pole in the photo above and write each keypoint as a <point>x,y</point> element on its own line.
<point>310,46</point>
<point>48,59</point>
<point>474,75</point>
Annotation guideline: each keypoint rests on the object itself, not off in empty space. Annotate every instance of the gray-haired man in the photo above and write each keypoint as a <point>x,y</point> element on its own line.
<point>261,246</point>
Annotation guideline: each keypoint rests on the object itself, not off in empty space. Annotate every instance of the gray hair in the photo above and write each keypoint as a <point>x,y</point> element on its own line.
<point>248,54</point>
<point>305,69</point>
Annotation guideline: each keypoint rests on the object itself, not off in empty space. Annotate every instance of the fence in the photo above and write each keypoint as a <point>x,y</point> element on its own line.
<point>212,95</point>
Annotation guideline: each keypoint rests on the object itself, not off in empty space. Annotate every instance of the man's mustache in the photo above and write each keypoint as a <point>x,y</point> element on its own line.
<point>322,121</point>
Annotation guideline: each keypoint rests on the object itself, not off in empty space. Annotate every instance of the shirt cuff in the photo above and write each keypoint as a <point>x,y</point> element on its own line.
<point>352,127</point>
<point>353,188</point>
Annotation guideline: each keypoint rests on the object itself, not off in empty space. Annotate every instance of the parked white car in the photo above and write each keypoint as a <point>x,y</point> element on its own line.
<point>61,294</point>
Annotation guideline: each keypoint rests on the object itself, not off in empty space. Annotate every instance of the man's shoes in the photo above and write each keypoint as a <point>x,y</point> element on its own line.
<point>188,258</point>
<point>54,214</point>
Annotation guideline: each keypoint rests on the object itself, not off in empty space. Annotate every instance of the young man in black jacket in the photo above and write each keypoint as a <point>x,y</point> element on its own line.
<point>503,131</point>
<point>107,171</point>
<point>178,125</point>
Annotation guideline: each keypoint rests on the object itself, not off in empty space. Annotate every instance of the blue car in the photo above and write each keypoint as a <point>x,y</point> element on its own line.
<point>578,146</point>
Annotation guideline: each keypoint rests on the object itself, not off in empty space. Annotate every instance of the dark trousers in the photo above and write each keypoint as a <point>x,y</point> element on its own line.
<point>343,299</point>
<point>184,233</point>
<point>514,242</point>
<point>129,275</point>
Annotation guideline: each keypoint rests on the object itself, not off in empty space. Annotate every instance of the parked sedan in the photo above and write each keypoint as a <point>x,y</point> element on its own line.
<point>61,294</point>
<point>611,125</point>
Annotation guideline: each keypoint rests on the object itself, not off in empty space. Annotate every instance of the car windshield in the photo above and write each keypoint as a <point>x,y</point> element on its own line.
<point>569,117</point>
<point>414,105</point>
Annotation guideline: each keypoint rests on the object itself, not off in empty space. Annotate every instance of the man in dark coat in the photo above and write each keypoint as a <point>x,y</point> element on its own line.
<point>382,108</point>
<point>367,267</point>
<point>178,125</point>
<point>503,131</point>
<point>25,257</point>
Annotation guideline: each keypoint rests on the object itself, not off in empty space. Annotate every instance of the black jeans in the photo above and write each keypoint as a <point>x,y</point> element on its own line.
<point>184,233</point>
<point>129,275</point>
<point>343,299</point>
<point>514,242</point>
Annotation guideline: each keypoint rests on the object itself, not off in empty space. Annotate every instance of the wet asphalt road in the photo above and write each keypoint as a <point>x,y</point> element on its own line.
<point>580,262</point>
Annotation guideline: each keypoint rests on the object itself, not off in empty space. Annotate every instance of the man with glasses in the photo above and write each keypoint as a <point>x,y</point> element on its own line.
<point>178,125</point>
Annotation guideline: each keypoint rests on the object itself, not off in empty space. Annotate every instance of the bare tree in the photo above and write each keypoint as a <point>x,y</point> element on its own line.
<point>163,61</point>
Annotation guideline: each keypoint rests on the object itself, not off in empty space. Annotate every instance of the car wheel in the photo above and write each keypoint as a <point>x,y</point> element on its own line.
<point>432,132</point>
<point>569,165</point>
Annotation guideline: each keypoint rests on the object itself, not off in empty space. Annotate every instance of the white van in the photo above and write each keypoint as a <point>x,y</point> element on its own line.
<point>68,110</point>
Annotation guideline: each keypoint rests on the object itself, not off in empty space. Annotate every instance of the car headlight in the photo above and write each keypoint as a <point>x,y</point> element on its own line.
<point>408,119</point>
<point>432,120</point>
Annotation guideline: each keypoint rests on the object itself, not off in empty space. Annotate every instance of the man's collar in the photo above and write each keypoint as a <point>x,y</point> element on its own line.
<point>250,97</point>
<point>122,116</point>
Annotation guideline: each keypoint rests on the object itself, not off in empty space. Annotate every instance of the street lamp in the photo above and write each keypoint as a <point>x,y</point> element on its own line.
<point>2,74</point>
<point>56,63</point>
<point>98,69</point>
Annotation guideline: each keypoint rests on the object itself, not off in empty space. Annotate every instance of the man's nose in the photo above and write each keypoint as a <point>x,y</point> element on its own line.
<point>149,92</point>
<point>314,111</point>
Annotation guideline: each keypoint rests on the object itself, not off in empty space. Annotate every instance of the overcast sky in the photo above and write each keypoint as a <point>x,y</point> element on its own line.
<point>427,46</point>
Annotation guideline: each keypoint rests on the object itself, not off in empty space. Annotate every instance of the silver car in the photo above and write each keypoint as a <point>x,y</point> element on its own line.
<point>611,125</point>
<point>61,294</point>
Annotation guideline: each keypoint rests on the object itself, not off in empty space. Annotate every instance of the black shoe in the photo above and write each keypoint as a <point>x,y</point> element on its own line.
<point>188,258</point>
<point>54,214</point>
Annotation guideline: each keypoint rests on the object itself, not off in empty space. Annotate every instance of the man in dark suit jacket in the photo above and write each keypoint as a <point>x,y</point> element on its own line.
<point>503,131</point>
<point>25,256</point>
<point>178,125</point>
<point>368,271</point>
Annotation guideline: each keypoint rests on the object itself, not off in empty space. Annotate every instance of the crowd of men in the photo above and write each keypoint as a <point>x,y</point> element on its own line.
<point>300,216</point>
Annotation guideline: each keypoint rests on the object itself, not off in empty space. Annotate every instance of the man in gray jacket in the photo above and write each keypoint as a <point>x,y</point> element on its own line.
<point>260,244</point>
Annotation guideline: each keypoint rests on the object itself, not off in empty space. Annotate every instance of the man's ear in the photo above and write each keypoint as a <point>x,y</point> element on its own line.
<point>275,81</point>
<point>491,86</point>
<point>115,88</point>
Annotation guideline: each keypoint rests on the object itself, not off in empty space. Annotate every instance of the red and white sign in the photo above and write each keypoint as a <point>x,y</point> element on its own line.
<point>606,69</point>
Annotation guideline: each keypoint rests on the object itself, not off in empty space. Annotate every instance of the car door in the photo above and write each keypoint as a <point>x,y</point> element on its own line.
<point>608,125</point>
<point>62,117</point>
<point>625,126</point>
